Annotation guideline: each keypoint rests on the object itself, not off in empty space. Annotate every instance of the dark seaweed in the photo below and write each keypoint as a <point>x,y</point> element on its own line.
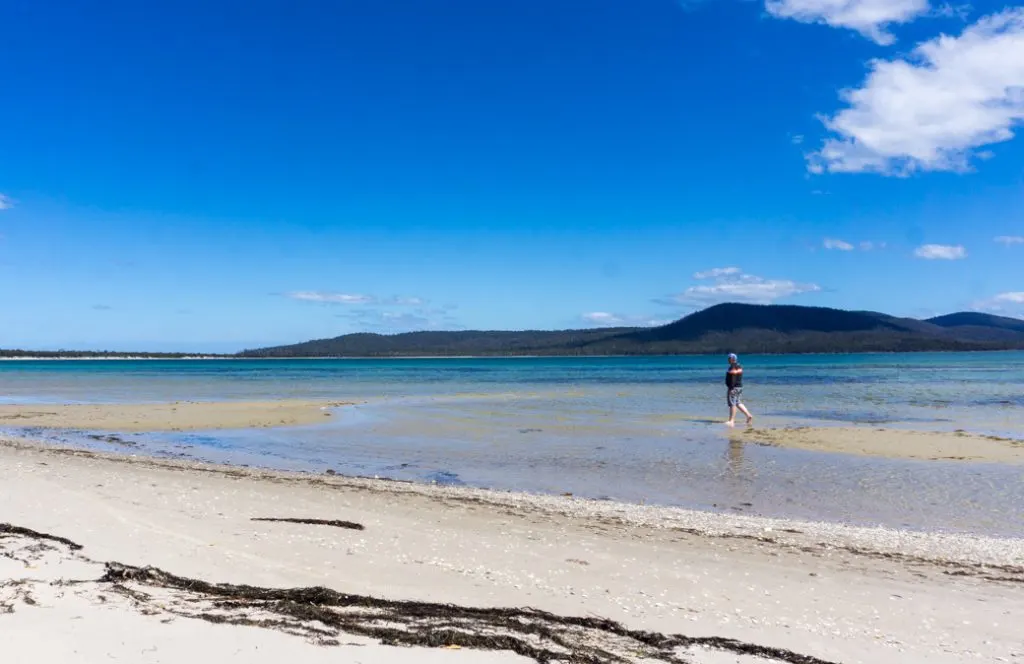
<point>351,525</point>
<point>323,615</point>
<point>538,635</point>
<point>8,529</point>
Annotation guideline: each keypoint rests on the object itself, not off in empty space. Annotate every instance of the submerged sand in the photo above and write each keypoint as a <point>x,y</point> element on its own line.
<point>891,443</point>
<point>789,591</point>
<point>176,416</point>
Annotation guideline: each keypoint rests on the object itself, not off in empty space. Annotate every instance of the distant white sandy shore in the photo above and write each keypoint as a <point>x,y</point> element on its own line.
<point>29,358</point>
<point>325,357</point>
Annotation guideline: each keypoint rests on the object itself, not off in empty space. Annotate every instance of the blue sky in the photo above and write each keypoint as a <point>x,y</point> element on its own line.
<point>219,174</point>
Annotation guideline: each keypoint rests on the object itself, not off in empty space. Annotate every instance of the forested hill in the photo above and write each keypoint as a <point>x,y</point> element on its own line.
<point>740,328</point>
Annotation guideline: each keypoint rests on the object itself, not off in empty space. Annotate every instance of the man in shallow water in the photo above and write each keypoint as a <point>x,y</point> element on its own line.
<point>734,385</point>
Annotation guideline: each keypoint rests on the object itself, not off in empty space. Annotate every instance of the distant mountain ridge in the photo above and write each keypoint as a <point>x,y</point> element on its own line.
<point>740,328</point>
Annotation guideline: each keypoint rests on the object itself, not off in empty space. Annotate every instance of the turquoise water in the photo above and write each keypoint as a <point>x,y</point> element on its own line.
<point>639,429</point>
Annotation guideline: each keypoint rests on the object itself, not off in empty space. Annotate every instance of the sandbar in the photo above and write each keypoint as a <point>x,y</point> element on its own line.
<point>176,416</point>
<point>158,536</point>
<point>890,443</point>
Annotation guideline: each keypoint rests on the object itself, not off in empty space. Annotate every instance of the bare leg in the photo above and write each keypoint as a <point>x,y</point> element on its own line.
<point>750,418</point>
<point>732,417</point>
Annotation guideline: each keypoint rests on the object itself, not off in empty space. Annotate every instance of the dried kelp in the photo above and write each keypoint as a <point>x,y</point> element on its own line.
<point>351,525</point>
<point>8,529</point>
<point>324,615</point>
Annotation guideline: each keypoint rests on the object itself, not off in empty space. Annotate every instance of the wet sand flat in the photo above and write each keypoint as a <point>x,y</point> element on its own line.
<point>891,443</point>
<point>176,416</point>
<point>466,422</point>
<point>720,587</point>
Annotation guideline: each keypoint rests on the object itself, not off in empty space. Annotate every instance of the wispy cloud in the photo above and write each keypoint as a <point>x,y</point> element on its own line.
<point>1007,304</point>
<point>330,298</point>
<point>838,245</point>
<point>941,252</point>
<point>934,109</point>
<point>948,10</point>
<point>404,301</point>
<point>605,319</point>
<point>842,245</point>
<point>394,322</point>
<point>733,285</point>
<point>102,307</point>
<point>387,315</point>
<point>870,18</point>
<point>327,297</point>
<point>718,273</point>
<point>5,202</point>
<point>1009,240</point>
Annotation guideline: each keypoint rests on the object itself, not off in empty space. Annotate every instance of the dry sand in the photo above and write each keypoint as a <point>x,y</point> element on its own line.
<point>177,416</point>
<point>835,593</point>
<point>891,443</point>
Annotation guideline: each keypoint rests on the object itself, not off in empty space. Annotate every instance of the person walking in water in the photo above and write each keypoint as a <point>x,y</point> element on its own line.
<point>734,396</point>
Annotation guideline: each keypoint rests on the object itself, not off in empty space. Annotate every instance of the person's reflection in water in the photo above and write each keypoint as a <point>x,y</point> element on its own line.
<point>739,478</point>
<point>735,458</point>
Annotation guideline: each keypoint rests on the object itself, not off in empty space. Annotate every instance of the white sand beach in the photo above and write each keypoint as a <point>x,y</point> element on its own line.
<point>786,590</point>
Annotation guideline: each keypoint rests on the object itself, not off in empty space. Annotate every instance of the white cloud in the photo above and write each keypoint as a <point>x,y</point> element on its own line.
<point>5,202</point>
<point>868,17</point>
<point>602,318</point>
<point>351,298</point>
<point>1010,239</point>
<point>331,298</point>
<point>941,252</point>
<point>736,286</point>
<point>1007,304</point>
<point>394,322</point>
<point>406,301</point>
<point>933,110</point>
<point>1015,298</point>
<point>953,11</point>
<point>839,245</point>
<point>605,319</point>
<point>718,273</point>
<point>842,245</point>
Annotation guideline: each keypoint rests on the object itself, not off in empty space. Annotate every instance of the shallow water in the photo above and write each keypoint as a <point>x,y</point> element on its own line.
<point>636,429</point>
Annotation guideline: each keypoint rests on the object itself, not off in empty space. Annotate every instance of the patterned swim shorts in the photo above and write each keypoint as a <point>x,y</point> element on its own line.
<point>735,397</point>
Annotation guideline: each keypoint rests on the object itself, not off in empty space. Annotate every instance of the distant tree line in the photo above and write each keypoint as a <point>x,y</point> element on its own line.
<point>8,353</point>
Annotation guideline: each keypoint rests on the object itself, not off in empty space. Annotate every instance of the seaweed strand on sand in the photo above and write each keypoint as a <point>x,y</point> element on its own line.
<point>323,615</point>
<point>351,525</point>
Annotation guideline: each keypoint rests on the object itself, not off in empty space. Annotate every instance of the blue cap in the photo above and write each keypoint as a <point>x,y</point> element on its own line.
<point>732,356</point>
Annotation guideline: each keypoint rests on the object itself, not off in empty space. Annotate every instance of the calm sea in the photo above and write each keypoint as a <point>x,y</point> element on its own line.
<point>638,429</point>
